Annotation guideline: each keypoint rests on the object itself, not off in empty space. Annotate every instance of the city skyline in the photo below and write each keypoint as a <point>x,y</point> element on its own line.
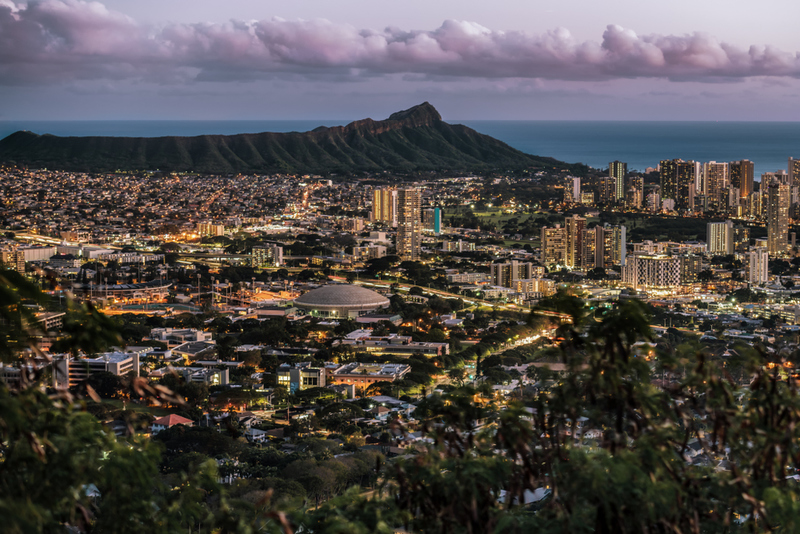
<point>67,59</point>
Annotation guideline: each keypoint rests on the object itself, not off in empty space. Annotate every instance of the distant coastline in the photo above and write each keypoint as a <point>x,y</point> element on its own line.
<point>595,143</point>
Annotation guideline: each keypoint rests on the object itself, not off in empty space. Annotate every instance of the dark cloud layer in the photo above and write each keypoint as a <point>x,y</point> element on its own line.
<point>49,40</point>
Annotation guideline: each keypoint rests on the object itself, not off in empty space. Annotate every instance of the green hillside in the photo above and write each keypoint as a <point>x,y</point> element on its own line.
<point>410,140</point>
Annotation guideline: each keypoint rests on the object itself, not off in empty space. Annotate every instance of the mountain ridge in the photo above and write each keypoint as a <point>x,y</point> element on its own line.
<point>415,139</point>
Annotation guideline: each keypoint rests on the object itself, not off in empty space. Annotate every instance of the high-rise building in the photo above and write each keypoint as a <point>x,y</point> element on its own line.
<point>409,223</point>
<point>12,257</point>
<point>741,238</point>
<point>778,177</point>
<point>634,195</point>
<point>688,174</point>
<point>210,229</point>
<point>668,176</point>
<point>618,170</point>
<point>719,239</point>
<point>575,227</point>
<point>690,267</point>
<point>758,265</point>
<point>794,171</point>
<point>734,202</point>
<point>614,245</point>
<point>652,272</point>
<point>384,205</point>
<point>678,182</point>
<point>607,189</point>
<point>352,224</point>
<point>267,256</point>
<point>741,176</point>
<point>654,201</point>
<point>575,184</point>
<point>593,241</point>
<point>554,245</point>
<point>543,286</point>
<point>777,218</point>
<point>432,220</point>
<point>715,182</point>
<point>505,274</point>
<point>755,204</point>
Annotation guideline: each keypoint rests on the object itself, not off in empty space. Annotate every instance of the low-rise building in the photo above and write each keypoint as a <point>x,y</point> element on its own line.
<point>50,321</point>
<point>374,318</point>
<point>59,261</point>
<point>195,350</point>
<point>206,375</point>
<point>168,421</point>
<point>363,375</point>
<point>179,336</point>
<point>394,344</point>
<point>543,286</point>
<point>69,371</point>
<point>468,278</point>
<point>301,376</point>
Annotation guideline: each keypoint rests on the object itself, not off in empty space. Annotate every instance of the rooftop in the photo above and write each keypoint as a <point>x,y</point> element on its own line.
<point>172,420</point>
<point>342,295</point>
<point>113,357</point>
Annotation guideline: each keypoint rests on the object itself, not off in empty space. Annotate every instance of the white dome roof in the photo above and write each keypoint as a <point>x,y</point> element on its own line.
<point>342,295</point>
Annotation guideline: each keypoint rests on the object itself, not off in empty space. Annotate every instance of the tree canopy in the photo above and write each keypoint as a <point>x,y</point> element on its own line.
<point>623,439</point>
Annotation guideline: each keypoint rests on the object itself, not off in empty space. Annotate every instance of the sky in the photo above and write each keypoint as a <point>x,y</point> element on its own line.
<point>731,60</point>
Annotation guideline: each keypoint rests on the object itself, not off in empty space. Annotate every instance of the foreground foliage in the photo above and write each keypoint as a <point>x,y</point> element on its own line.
<point>631,438</point>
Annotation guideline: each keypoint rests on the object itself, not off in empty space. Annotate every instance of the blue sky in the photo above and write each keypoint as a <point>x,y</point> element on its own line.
<point>347,59</point>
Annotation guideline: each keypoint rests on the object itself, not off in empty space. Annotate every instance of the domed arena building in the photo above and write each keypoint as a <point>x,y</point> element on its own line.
<point>341,301</point>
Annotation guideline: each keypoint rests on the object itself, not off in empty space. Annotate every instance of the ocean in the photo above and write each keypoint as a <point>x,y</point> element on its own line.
<point>640,144</point>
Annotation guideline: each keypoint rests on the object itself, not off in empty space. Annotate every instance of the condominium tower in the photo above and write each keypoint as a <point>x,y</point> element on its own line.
<point>720,238</point>
<point>384,206</point>
<point>794,171</point>
<point>678,179</point>
<point>741,176</point>
<point>778,197</point>
<point>409,223</point>
<point>716,181</point>
<point>758,265</point>
<point>618,170</point>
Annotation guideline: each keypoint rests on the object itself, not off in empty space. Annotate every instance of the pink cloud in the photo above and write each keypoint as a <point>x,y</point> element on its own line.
<point>72,39</point>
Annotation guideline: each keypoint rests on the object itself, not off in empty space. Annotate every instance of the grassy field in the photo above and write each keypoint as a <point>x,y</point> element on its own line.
<point>132,406</point>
